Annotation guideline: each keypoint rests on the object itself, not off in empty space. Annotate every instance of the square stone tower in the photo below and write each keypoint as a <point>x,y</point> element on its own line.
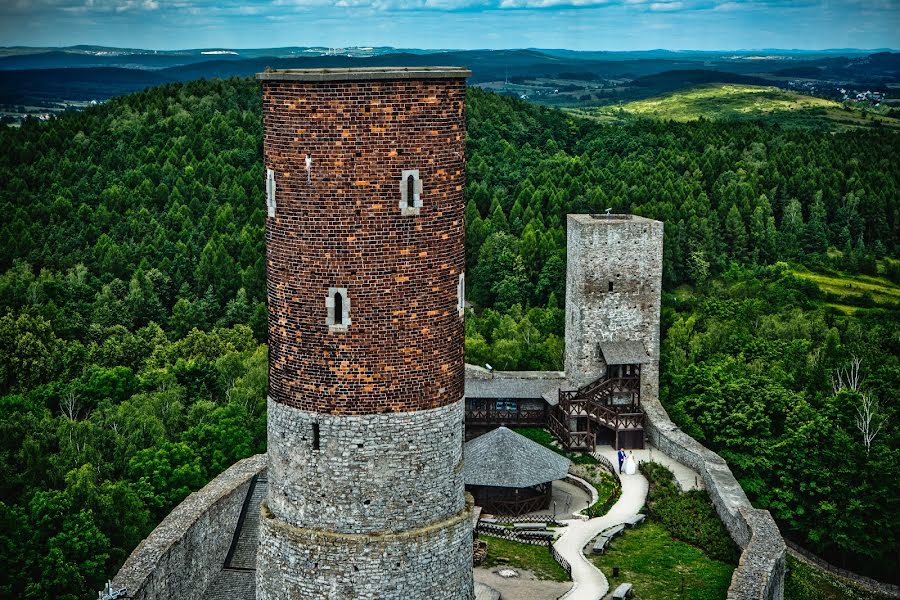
<point>613,293</point>
<point>365,171</point>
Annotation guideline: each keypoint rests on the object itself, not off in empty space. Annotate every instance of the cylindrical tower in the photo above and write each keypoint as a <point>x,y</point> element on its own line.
<point>365,170</point>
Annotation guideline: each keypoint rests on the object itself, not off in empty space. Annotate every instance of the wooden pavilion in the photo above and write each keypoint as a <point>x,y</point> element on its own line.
<point>508,474</point>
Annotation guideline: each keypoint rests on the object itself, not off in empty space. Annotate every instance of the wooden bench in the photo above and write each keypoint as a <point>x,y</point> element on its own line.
<point>601,544</point>
<point>636,520</point>
<point>622,592</point>
<point>530,526</point>
<point>490,520</point>
<point>613,531</point>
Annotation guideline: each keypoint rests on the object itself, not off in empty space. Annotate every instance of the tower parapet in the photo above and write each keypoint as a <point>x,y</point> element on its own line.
<point>365,258</point>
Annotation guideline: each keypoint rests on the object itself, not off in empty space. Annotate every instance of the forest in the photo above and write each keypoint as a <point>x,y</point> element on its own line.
<point>133,322</point>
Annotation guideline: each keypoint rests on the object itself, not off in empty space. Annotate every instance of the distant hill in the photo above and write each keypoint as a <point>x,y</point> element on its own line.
<point>41,76</point>
<point>727,101</point>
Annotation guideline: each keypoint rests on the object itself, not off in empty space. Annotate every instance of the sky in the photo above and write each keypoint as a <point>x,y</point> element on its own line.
<point>461,24</point>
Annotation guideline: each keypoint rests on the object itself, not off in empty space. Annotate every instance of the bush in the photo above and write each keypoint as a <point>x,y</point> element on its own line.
<point>688,516</point>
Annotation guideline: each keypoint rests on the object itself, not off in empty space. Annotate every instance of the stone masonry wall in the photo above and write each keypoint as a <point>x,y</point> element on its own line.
<point>372,473</point>
<point>183,554</point>
<point>433,562</point>
<point>340,225</point>
<point>760,571</point>
<point>628,253</point>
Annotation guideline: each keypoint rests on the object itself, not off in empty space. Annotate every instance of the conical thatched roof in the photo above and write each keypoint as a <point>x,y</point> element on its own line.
<point>504,458</point>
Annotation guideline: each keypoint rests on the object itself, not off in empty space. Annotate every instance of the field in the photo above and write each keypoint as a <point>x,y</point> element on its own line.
<point>744,102</point>
<point>854,287</point>
<point>661,568</point>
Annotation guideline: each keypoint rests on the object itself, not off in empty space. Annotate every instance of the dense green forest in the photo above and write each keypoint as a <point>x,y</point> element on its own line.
<point>132,316</point>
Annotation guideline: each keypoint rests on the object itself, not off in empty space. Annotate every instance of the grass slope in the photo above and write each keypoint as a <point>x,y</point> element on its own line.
<point>536,559</point>
<point>658,565</point>
<point>745,102</point>
<point>881,289</point>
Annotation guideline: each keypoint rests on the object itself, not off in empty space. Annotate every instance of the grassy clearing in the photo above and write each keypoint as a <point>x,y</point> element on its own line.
<point>848,286</point>
<point>805,582</point>
<point>743,102</point>
<point>536,559</point>
<point>546,439</point>
<point>661,568</point>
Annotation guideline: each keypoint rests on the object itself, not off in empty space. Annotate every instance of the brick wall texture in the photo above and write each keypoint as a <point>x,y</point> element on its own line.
<point>340,226</point>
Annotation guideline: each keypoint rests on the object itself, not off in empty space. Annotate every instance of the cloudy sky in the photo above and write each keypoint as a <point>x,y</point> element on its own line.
<point>575,24</point>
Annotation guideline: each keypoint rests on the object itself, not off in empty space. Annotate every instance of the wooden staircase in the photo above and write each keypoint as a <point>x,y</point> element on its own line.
<point>610,402</point>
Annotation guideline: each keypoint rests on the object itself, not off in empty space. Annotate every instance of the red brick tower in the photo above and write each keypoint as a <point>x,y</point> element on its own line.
<point>364,236</point>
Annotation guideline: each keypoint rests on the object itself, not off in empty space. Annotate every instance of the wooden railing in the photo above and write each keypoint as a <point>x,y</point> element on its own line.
<point>484,412</point>
<point>593,403</point>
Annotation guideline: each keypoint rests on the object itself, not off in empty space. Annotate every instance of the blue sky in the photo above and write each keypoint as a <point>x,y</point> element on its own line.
<point>574,24</point>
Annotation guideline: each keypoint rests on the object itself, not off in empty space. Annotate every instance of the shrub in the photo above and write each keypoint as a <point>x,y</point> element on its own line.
<point>688,516</point>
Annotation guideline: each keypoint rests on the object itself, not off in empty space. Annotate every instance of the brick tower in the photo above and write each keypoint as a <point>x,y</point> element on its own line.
<point>365,170</point>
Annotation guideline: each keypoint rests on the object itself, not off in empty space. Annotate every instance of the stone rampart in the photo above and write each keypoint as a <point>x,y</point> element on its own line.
<point>760,571</point>
<point>183,554</point>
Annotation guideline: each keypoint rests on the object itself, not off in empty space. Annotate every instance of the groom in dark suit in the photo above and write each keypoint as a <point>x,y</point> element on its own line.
<point>621,456</point>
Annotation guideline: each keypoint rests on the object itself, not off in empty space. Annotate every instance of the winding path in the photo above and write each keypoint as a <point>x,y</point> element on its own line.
<point>589,582</point>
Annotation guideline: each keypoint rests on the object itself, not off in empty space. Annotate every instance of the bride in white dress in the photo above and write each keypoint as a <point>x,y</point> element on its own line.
<point>630,466</point>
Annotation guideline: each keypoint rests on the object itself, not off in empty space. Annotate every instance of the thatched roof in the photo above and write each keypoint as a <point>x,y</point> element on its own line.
<point>624,353</point>
<point>504,458</point>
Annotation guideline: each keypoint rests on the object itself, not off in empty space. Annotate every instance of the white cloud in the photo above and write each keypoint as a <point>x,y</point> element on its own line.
<point>663,6</point>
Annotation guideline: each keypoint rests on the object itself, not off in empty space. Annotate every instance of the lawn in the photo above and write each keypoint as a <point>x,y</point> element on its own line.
<point>536,559</point>
<point>742,102</point>
<point>661,568</point>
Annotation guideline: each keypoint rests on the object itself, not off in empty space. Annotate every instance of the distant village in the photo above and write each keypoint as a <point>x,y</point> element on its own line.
<point>842,94</point>
<point>15,114</point>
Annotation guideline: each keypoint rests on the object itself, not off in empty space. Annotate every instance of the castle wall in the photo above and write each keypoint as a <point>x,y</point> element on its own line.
<point>365,259</point>
<point>625,251</point>
<point>760,571</point>
<point>185,552</point>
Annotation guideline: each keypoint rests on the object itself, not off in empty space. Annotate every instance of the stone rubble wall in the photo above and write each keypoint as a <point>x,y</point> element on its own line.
<point>185,552</point>
<point>433,562</point>
<point>371,473</point>
<point>760,571</point>
<point>623,253</point>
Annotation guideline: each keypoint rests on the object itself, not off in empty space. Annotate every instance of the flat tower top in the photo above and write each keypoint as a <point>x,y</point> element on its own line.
<point>364,74</point>
<point>600,219</point>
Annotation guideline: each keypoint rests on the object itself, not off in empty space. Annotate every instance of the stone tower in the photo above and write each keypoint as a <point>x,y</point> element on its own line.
<point>613,291</point>
<point>365,170</point>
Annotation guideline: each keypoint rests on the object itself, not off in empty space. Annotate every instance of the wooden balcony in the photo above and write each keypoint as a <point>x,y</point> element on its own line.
<point>487,412</point>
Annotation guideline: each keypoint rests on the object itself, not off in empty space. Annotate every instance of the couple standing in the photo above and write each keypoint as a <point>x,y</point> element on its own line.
<point>626,462</point>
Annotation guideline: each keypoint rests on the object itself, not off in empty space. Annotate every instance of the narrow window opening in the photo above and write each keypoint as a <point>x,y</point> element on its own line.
<point>610,286</point>
<point>315,436</point>
<point>411,190</point>
<point>338,309</point>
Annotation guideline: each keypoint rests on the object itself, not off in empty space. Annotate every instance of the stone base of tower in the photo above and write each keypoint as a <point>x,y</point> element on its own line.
<point>432,562</point>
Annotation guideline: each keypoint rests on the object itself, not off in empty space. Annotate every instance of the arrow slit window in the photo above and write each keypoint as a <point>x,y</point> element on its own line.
<point>410,192</point>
